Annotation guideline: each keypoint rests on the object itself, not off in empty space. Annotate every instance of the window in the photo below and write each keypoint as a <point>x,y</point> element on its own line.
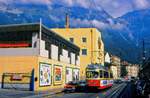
<point>106,75</point>
<point>84,51</point>
<point>101,74</point>
<point>84,39</point>
<point>72,40</point>
<point>111,75</point>
<point>91,74</point>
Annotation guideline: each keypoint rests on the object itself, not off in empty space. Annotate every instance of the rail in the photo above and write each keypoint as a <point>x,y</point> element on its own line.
<point>116,92</point>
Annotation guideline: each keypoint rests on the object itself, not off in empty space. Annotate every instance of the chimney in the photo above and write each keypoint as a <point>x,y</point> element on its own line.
<point>67,21</point>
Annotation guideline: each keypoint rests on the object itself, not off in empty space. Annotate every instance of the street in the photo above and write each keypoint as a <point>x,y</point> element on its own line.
<point>114,92</point>
<point>122,90</point>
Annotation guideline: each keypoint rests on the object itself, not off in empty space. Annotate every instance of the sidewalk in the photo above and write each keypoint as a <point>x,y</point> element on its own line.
<point>40,94</point>
<point>8,93</point>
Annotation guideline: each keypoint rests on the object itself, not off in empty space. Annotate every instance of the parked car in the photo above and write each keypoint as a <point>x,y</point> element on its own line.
<point>143,88</point>
<point>118,81</point>
<point>82,85</point>
<point>70,86</point>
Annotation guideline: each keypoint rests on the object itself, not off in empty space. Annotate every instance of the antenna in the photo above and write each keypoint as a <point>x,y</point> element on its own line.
<point>67,25</point>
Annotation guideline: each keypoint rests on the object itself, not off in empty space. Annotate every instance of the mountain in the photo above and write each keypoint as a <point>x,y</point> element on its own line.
<point>119,35</point>
<point>139,24</point>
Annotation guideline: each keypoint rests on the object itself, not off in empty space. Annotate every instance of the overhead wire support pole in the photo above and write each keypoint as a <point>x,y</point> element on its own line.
<point>40,36</point>
<point>144,51</point>
<point>143,55</point>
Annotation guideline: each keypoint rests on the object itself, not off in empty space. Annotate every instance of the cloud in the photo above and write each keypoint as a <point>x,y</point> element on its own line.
<point>115,8</point>
<point>71,3</point>
<point>87,23</point>
<point>141,4</point>
<point>13,11</point>
<point>96,23</point>
<point>54,18</point>
<point>39,2</point>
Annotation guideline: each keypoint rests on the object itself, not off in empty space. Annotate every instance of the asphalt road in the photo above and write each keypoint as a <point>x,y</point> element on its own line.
<point>123,90</point>
<point>107,93</point>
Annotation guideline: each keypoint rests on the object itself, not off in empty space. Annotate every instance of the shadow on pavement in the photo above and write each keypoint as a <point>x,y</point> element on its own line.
<point>89,90</point>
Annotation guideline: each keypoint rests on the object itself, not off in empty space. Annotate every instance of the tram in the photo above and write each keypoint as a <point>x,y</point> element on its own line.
<point>98,76</point>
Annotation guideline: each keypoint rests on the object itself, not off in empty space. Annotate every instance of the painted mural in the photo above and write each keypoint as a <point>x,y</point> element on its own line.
<point>45,74</point>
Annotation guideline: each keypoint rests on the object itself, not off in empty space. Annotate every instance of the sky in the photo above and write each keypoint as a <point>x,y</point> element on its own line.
<point>115,8</point>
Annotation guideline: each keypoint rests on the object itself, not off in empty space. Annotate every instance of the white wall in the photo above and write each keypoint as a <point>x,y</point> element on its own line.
<point>78,60</point>
<point>35,40</point>
<point>54,52</point>
<point>43,51</point>
<point>72,58</point>
<point>64,57</point>
<point>107,58</point>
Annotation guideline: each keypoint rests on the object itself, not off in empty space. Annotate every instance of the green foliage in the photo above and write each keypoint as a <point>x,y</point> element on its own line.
<point>107,65</point>
<point>124,71</point>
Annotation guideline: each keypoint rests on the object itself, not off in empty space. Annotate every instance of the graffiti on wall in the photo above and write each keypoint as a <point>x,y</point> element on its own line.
<point>45,74</point>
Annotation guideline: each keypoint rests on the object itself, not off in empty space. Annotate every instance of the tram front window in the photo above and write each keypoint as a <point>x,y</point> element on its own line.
<point>92,74</point>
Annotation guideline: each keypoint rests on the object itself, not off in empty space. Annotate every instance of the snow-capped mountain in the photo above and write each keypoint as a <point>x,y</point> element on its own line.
<point>120,35</point>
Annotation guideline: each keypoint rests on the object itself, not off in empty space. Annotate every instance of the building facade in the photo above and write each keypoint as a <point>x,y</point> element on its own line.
<point>115,66</point>
<point>107,58</point>
<point>90,42</point>
<point>133,70</point>
<point>33,57</point>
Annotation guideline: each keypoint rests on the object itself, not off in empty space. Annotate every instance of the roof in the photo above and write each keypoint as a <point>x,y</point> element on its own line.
<point>19,27</point>
<point>75,28</point>
<point>35,27</point>
<point>72,29</point>
<point>96,66</point>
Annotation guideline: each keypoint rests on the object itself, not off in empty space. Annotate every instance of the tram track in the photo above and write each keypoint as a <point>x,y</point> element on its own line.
<point>116,91</point>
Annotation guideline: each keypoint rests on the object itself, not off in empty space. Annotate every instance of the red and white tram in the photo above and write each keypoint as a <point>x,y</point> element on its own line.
<point>98,76</point>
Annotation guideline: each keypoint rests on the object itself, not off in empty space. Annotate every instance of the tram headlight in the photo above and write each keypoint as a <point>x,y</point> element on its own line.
<point>101,82</point>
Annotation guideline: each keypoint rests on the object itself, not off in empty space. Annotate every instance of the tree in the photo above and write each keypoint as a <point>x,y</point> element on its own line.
<point>107,64</point>
<point>124,71</point>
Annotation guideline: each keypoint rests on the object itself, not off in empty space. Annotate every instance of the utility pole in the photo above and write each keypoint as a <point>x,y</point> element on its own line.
<point>143,52</point>
<point>91,46</point>
<point>40,36</point>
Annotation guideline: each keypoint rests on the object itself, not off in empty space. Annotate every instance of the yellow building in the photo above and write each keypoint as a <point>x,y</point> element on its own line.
<point>115,66</point>
<point>90,42</point>
<point>33,57</point>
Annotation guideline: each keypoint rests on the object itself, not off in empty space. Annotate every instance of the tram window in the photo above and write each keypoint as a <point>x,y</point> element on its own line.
<point>91,74</point>
<point>106,74</point>
<point>111,76</point>
<point>101,74</point>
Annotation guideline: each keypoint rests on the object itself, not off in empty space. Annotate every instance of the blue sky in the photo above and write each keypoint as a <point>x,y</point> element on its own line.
<point>115,8</point>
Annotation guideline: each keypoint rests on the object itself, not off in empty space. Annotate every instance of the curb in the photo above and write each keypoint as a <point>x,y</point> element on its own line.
<point>43,95</point>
